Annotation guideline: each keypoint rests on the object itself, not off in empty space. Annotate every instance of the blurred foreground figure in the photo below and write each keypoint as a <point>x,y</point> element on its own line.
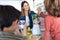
<point>52,20</point>
<point>9,17</point>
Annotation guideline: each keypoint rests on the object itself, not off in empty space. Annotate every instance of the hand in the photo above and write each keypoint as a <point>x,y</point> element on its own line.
<point>39,10</point>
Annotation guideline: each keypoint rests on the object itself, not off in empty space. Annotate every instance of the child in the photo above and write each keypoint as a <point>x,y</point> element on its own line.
<point>52,20</point>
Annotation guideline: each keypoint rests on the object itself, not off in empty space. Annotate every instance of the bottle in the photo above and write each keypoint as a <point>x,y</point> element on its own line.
<point>29,35</point>
<point>36,28</point>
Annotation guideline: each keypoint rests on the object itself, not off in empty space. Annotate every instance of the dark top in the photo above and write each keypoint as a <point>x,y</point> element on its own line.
<point>30,18</point>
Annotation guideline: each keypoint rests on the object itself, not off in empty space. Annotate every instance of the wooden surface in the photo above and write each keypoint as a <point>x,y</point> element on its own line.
<point>35,37</point>
<point>41,37</point>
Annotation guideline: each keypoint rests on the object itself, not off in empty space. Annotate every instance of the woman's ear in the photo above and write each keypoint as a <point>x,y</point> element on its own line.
<point>22,8</point>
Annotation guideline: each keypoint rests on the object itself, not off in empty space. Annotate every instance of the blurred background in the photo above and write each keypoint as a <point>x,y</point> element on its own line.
<point>34,4</point>
<point>17,4</point>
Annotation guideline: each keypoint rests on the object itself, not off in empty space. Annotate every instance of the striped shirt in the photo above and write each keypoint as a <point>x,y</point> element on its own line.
<point>11,36</point>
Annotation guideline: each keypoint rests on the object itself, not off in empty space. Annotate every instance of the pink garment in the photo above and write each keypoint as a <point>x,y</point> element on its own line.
<point>52,25</point>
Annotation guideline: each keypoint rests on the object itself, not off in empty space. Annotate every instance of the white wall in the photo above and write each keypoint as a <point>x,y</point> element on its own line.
<point>39,3</point>
<point>16,4</point>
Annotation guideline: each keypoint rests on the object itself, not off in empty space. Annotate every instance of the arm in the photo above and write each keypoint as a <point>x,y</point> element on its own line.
<point>42,15</point>
<point>47,29</point>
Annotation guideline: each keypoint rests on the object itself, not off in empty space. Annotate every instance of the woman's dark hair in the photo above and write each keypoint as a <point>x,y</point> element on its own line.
<point>22,4</point>
<point>8,14</point>
<point>53,7</point>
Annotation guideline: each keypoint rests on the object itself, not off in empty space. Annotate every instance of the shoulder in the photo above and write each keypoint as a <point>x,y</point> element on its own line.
<point>49,19</point>
<point>32,12</point>
<point>22,17</point>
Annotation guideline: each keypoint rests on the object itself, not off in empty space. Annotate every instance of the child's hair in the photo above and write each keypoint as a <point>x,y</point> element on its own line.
<point>53,7</point>
<point>8,14</point>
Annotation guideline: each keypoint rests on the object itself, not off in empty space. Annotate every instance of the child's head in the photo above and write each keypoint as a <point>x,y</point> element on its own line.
<point>53,7</point>
<point>9,17</point>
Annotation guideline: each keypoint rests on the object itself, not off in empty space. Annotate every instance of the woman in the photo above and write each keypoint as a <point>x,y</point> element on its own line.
<point>30,17</point>
<point>27,14</point>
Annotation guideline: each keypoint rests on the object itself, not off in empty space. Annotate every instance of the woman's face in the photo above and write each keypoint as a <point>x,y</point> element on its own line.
<point>26,6</point>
